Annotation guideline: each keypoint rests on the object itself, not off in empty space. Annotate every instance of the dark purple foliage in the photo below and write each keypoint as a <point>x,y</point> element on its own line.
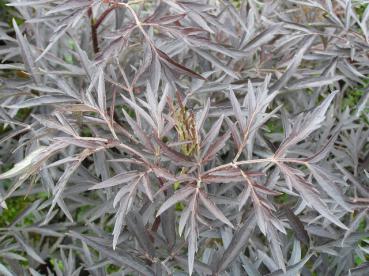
<point>186,137</point>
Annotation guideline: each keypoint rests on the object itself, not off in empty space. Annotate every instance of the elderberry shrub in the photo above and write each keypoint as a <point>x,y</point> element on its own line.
<point>184,137</point>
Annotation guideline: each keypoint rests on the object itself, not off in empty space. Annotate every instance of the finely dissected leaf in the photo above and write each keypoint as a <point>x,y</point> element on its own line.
<point>236,136</point>
<point>292,67</point>
<point>126,193</point>
<point>177,197</point>
<point>217,63</point>
<point>276,250</point>
<point>349,176</point>
<point>28,248</point>
<point>26,53</point>
<point>144,139</point>
<point>135,222</point>
<point>101,94</point>
<point>58,33</point>
<point>174,155</point>
<point>53,124</point>
<point>238,242</point>
<point>249,267</point>
<point>212,134</point>
<point>313,82</point>
<point>329,186</point>
<point>140,111</point>
<point>319,155</point>
<point>124,109</point>
<point>147,187</point>
<point>155,73</point>
<point>43,100</point>
<point>217,146</point>
<point>261,213</point>
<point>304,125</point>
<point>184,218</point>
<point>120,220</point>
<point>118,256</point>
<point>244,196</point>
<point>292,269</point>
<point>355,224</point>
<point>237,111</point>
<point>116,180</point>
<point>296,253</point>
<point>297,226</point>
<point>29,3</point>
<point>310,195</point>
<point>201,117</point>
<point>224,49</point>
<point>61,184</point>
<point>176,66</point>
<point>212,208</point>
<point>198,266</point>
<point>168,218</point>
<point>69,5</point>
<point>262,38</point>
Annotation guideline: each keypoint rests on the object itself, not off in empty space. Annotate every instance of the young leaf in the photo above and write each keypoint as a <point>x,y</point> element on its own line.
<point>20,167</point>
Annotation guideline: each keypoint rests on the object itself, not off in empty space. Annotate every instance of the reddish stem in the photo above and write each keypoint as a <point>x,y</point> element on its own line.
<point>104,15</point>
<point>156,223</point>
<point>95,42</point>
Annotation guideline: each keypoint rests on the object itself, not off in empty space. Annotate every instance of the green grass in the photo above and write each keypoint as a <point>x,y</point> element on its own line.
<point>358,261</point>
<point>352,98</point>
<point>179,206</point>
<point>274,126</point>
<point>360,10</point>
<point>8,13</point>
<point>112,268</point>
<point>15,206</point>
<point>282,199</point>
